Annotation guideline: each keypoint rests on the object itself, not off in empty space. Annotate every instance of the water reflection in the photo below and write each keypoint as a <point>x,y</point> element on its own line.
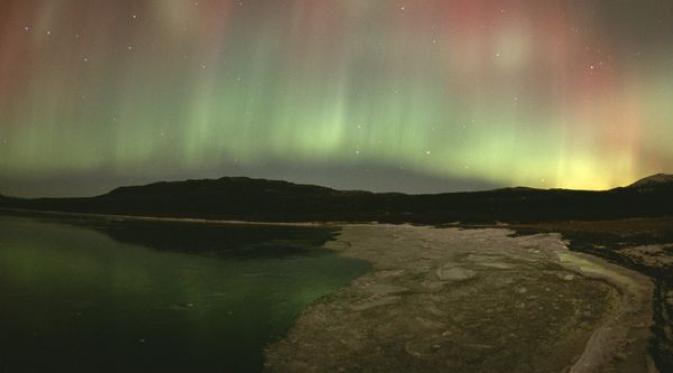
<point>110,296</point>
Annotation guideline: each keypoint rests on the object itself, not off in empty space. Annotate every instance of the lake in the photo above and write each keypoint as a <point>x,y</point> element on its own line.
<point>105,295</point>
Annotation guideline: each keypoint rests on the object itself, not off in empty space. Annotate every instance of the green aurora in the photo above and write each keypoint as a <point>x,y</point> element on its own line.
<point>473,93</point>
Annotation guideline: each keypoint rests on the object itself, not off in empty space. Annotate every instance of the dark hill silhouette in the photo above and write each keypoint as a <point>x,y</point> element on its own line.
<point>242,198</point>
<point>658,181</point>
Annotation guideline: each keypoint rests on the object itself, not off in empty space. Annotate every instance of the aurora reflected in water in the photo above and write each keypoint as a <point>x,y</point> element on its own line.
<point>74,299</point>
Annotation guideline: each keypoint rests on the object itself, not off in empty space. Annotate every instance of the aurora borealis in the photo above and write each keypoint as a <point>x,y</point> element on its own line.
<point>375,94</point>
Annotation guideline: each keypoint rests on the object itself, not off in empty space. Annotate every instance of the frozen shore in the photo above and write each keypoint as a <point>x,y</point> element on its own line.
<point>470,301</point>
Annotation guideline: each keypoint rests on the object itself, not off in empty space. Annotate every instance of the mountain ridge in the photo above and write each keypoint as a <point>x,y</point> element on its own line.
<point>244,198</point>
<point>653,181</point>
<point>660,179</point>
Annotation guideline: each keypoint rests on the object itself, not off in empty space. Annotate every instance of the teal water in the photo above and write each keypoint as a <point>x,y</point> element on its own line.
<point>129,297</point>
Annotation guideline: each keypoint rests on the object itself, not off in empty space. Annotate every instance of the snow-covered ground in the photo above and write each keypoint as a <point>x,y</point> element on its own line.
<point>472,301</point>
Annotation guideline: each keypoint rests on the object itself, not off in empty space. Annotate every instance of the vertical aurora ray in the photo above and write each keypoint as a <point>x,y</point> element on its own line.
<point>539,93</point>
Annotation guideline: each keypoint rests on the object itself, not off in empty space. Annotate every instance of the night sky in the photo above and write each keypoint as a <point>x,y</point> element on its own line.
<point>417,96</point>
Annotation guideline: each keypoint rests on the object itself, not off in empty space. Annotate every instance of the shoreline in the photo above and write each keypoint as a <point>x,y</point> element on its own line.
<point>618,338</point>
<point>607,336</point>
<point>159,219</point>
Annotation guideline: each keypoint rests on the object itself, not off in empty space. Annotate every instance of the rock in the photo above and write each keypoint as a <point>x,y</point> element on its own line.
<point>389,274</point>
<point>568,277</point>
<point>422,348</point>
<point>497,265</point>
<point>375,302</point>
<point>455,274</point>
<point>479,346</point>
<point>434,285</point>
<point>481,258</point>
<point>425,323</point>
<point>384,289</point>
